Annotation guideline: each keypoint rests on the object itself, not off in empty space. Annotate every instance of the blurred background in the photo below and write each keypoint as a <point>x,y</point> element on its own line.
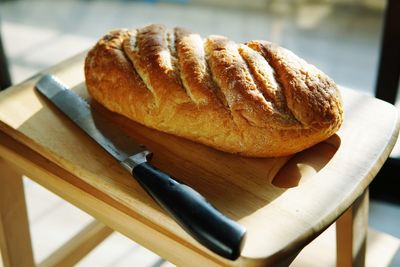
<point>341,37</point>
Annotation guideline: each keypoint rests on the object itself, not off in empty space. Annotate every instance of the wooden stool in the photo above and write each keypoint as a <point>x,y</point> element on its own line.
<point>284,203</point>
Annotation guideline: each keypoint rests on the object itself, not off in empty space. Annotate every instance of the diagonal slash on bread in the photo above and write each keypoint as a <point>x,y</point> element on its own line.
<point>254,99</point>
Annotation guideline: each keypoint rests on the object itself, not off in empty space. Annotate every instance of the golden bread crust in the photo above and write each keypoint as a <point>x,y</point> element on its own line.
<point>254,99</point>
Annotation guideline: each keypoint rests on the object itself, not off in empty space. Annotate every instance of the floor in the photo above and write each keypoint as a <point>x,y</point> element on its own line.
<point>341,40</point>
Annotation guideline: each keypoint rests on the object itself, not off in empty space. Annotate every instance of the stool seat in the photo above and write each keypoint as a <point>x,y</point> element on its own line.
<point>283,202</point>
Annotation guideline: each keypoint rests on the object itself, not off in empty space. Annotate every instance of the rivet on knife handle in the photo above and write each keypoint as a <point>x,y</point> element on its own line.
<point>190,209</point>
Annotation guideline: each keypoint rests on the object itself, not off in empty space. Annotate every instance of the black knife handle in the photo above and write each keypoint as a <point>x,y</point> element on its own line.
<point>192,211</point>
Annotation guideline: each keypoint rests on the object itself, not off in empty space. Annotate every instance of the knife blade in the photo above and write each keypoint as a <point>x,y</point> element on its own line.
<point>191,210</point>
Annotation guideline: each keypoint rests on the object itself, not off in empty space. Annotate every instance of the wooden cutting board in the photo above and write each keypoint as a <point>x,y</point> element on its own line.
<point>283,202</point>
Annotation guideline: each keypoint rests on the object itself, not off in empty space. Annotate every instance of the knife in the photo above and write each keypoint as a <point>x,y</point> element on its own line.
<point>191,210</point>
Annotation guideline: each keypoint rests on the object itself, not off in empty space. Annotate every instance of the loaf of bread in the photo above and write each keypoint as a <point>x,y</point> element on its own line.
<point>254,99</point>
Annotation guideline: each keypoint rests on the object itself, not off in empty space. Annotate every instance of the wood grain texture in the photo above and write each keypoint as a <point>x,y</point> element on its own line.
<point>110,212</point>
<point>15,240</point>
<point>351,233</point>
<point>280,220</point>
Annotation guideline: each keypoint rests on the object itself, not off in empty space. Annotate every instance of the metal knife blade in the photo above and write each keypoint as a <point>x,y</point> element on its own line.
<point>120,146</point>
<point>191,210</point>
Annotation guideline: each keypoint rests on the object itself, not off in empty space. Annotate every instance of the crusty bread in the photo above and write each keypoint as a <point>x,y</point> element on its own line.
<point>254,99</point>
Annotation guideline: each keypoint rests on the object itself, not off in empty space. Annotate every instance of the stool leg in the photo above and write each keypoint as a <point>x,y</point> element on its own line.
<point>351,234</point>
<point>15,240</point>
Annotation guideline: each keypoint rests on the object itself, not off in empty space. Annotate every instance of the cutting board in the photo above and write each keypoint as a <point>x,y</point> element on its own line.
<point>283,202</point>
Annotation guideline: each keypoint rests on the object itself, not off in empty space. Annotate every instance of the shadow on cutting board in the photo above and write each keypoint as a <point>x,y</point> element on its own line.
<point>237,185</point>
